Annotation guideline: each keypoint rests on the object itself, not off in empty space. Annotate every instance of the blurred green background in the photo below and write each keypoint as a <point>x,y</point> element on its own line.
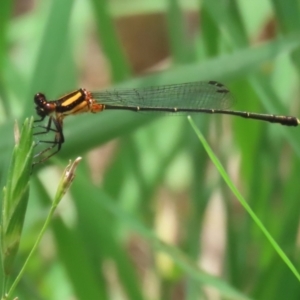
<point>148,216</point>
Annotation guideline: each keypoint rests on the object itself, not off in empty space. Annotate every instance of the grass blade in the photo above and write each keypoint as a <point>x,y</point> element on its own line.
<point>15,197</point>
<point>242,200</point>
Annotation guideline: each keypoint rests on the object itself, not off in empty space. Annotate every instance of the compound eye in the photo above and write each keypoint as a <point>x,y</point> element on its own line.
<point>40,99</point>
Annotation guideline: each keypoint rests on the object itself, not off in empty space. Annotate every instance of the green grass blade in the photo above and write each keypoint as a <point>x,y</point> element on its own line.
<point>242,200</point>
<point>119,66</point>
<point>288,17</point>
<point>64,184</point>
<point>52,46</point>
<point>15,196</point>
<point>181,46</point>
<point>5,12</point>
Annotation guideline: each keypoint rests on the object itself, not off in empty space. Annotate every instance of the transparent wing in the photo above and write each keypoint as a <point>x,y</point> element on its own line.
<point>203,94</point>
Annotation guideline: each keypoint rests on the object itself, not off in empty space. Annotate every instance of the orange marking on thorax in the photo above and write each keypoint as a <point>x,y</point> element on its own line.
<point>93,106</point>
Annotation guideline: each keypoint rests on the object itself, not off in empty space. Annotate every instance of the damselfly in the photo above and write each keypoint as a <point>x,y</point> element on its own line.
<point>195,97</point>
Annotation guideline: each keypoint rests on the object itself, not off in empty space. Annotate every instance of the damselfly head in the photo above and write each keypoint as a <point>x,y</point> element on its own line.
<point>41,102</point>
<point>43,107</point>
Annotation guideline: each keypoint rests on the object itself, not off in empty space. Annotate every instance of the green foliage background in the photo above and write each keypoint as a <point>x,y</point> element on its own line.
<point>158,184</point>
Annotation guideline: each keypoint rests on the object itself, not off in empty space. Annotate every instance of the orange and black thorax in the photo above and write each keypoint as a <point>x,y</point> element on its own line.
<point>76,102</point>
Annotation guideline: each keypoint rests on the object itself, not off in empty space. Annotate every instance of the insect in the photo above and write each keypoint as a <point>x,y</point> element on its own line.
<point>209,97</point>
